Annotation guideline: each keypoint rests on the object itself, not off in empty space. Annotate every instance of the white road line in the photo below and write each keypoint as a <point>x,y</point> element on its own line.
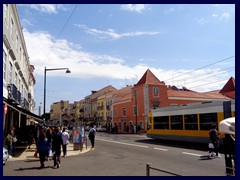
<point>122,143</point>
<point>192,154</point>
<point>161,149</point>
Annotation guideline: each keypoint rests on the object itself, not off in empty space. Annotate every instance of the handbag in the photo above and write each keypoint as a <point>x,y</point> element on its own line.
<point>210,145</point>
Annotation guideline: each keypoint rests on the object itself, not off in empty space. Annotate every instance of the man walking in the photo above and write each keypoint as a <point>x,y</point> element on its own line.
<point>56,147</point>
<point>91,136</point>
<point>65,137</point>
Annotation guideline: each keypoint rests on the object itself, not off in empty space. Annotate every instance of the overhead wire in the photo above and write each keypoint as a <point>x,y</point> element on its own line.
<point>60,33</point>
<point>211,75</point>
<point>200,68</point>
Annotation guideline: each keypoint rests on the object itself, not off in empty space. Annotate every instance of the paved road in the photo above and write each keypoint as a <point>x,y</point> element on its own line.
<point>125,155</point>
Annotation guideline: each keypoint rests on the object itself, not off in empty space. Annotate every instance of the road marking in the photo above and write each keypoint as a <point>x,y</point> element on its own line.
<point>192,154</point>
<point>122,143</point>
<point>161,149</point>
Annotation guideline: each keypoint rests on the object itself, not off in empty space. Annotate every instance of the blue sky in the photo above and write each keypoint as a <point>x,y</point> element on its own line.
<point>114,44</point>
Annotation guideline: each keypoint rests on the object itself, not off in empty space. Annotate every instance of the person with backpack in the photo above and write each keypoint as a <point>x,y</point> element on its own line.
<point>214,139</point>
<point>91,136</point>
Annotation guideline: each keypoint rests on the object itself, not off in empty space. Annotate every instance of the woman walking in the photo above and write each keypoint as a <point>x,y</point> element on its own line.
<point>43,147</point>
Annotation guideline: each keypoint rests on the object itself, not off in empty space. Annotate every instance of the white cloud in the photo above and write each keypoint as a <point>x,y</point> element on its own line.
<point>201,21</point>
<point>224,16</point>
<point>134,7</point>
<point>169,10</point>
<point>89,65</point>
<point>26,22</point>
<point>46,8</point>
<point>111,34</point>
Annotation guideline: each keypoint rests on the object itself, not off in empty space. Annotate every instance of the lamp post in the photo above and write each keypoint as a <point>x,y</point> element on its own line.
<point>44,102</point>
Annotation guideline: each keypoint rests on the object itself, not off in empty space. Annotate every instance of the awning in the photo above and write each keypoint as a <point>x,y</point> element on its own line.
<point>23,111</point>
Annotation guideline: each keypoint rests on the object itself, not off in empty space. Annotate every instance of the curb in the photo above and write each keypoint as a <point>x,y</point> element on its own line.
<point>28,154</point>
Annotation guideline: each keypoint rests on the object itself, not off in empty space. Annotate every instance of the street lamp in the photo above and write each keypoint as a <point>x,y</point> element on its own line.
<point>45,70</point>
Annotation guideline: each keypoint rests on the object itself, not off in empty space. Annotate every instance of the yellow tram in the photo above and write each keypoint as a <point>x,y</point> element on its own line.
<point>190,122</point>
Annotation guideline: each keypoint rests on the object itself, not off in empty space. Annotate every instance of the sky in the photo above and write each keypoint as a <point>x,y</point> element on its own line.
<point>190,45</point>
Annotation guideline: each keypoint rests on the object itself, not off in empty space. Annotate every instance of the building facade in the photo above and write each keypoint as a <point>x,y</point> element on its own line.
<point>18,78</point>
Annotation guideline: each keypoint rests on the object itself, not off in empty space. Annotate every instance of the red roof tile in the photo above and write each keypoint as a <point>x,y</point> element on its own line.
<point>229,86</point>
<point>149,78</point>
<point>196,95</point>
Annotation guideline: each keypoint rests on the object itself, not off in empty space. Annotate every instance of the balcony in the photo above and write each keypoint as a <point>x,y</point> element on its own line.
<point>18,97</point>
<point>29,96</point>
<point>25,103</point>
<point>100,107</point>
<point>12,92</point>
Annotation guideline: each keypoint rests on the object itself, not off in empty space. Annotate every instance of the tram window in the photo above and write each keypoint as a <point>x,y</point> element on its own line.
<point>206,120</point>
<point>177,122</point>
<point>191,122</point>
<point>161,122</point>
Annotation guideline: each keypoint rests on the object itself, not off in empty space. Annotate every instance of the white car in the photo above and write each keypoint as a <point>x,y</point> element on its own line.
<point>5,155</point>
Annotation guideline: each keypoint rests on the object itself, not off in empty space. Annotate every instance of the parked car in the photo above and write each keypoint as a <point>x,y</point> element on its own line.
<point>101,129</point>
<point>5,155</point>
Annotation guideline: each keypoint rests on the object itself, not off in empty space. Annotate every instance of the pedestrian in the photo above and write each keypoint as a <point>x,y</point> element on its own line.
<point>214,139</point>
<point>8,143</point>
<point>14,140</point>
<point>56,147</point>
<point>30,138</point>
<point>49,136</point>
<point>43,147</point>
<point>91,136</point>
<point>65,137</point>
<point>36,136</point>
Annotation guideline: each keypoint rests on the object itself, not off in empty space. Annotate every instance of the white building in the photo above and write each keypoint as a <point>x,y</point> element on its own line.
<point>18,79</point>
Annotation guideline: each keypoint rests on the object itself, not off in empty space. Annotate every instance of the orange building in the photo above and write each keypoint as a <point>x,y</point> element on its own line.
<point>132,106</point>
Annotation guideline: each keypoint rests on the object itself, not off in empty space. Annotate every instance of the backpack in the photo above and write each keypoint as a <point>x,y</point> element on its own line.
<point>91,135</point>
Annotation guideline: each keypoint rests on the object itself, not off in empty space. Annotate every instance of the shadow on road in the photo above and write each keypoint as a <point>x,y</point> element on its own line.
<point>32,168</point>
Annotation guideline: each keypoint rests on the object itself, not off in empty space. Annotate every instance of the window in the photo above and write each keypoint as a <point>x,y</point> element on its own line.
<point>4,65</point>
<point>5,12</point>
<point>19,85</point>
<point>155,91</point>
<point>206,120</point>
<point>191,122</point>
<point>161,122</point>
<point>115,113</point>
<point>15,81</point>
<point>12,29</point>
<point>10,73</point>
<point>135,110</point>
<point>124,111</point>
<point>177,122</point>
<point>17,43</point>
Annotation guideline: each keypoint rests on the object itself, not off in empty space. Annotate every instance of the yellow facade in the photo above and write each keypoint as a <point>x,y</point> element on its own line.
<point>101,110</point>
